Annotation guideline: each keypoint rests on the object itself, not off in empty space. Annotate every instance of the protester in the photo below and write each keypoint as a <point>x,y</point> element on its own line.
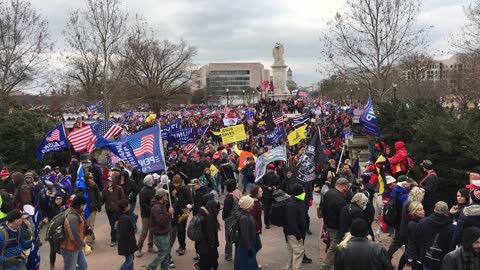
<point>352,211</point>
<point>295,227</point>
<point>13,241</point>
<point>333,202</point>
<point>146,196</point>
<point>230,205</point>
<point>269,183</point>
<point>463,197</point>
<point>360,252</point>
<point>161,226</point>
<point>467,256</point>
<point>430,184</point>
<point>199,191</point>
<point>245,258</point>
<point>469,217</point>
<point>398,162</point>
<point>126,236</point>
<point>73,245</point>
<point>94,203</point>
<point>415,213</point>
<point>23,193</point>
<point>111,195</point>
<point>257,194</point>
<point>207,246</point>
<point>182,208</point>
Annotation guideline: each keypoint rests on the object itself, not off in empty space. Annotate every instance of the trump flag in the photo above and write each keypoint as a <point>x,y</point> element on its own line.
<point>148,149</point>
<point>54,141</point>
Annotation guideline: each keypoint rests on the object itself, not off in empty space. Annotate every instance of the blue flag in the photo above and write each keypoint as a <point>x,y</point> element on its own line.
<point>168,128</point>
<point>33,262</point>
<point>54,141</point>
<point>147,148</point>
<point>276,135</point>
<point>369,120</point>
<point>120,148</point>
<point>182,136</point>
<point>301,119</point>
<point>95,107</point>
<point>249,114</point>
<point>202,130</point>
<point>81,184</point>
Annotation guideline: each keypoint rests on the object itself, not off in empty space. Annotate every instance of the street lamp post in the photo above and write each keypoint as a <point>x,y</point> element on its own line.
<point>227,96</point>
<point>351,97</point>
<point>243,92</point>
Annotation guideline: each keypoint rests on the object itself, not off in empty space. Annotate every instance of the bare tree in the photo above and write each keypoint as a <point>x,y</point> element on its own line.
<point>468,37</point>
<point>23,40</point>
<point>161,69</point>
<point>464,81</point>
<point>96,34</point>
<point>417,78</point>
<point>367,41</point>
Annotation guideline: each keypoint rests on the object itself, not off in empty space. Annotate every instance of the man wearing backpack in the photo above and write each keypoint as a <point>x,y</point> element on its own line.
<point>295,227</point>
<point>74,228</point>
<point>434,231</point>
<point>230,205</point>
<point>12,241</point>
<point>269,183</point>
<point>333,202</point>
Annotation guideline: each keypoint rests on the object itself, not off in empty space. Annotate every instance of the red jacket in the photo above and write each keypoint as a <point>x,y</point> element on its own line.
<point>398,163</point>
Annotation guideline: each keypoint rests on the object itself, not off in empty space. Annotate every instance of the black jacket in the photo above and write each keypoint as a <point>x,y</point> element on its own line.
<point>145,198</point>
<point>348,213</point>
<point>428,227</point>
<point>209,240</point>
<point>362,254</point>
<point>333,202</point>
<point>430,186</point>
<point>455,260</point>
<point>182,198</point>
<point>197,170</point>
<point>247,231</point>
<point>127,244</point>
<point>269,181</point>
<point>198,199</point>
<point>296,223</point>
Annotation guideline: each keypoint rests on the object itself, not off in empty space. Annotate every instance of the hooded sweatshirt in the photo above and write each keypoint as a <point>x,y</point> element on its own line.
<point>428,228</point>
<point>398,161</point>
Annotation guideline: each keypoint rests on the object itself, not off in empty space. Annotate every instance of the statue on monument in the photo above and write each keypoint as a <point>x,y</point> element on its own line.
<point>278,54</point>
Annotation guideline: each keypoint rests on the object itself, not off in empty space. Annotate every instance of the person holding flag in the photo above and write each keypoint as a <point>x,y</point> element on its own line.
<point>91,192</point>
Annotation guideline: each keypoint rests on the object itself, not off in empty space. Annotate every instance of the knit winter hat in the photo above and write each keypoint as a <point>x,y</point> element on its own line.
<point>359,228</point>
<point>475,195</point>
<point>245,202</point>
<point>4,172</point>
<point>148,180</point>
<point>297,189</point>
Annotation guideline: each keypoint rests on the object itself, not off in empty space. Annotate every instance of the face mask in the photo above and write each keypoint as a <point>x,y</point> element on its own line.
<point>301,197</point>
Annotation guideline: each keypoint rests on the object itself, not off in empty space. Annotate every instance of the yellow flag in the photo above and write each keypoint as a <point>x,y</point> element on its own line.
<point>213,170</point>
<point>381,186</point>
<point>150,117</point>
<point>216,133</point>
<point>261,123</point>
<point>297,135</point>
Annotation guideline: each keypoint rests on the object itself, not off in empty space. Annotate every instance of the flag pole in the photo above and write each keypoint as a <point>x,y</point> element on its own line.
<point>340,161</point>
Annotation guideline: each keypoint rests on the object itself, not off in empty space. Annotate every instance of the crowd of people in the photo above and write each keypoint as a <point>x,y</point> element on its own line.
<point>360,204</point>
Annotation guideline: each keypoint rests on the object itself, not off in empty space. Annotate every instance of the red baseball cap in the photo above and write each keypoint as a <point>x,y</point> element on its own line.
<point>4,172</point>
<point>271,166</point>
<point>196,156</point>
<point>474,184</point>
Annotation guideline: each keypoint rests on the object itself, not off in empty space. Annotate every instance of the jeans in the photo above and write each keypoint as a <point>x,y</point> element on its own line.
<point>73,257</point>
<point>332,250</point>
<point>132,215</point>
<point>181,227</point>
<point>112,219</point>
<point>128,263</point>
<point>162,242</point>
<point>228,246</point>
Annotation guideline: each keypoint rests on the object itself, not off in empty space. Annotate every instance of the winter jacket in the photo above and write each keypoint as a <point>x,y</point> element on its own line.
<point>400,194</point>
<point>269,181</point>
<point>23,193</point>
<point>197,170</point>
<point>469,216</point>
<point>160,219</point>
<point>182,198</point>
<point>74,230</point>
<point>256,213</point>
<point>455,260</point>
<point>426,231</point>
<point>209,239</point>
<point>398,162</point>
<point>112,198</point>
<point>94,197</point>
<point>332,205</point>
<point>348,213</point>
<point>145,199</point>
<point>362,254</point>
<point>430,185</point>
<point>231,199</point>
<point>247,231</point>
<point>198,199</point>
<point>248,172</point>
<point>411,250</point>
<point>127,244</point>
<point>16,243</point>
<point>295,213</point>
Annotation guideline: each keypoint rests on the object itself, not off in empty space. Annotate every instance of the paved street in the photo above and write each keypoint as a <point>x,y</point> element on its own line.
<point>272,255</point>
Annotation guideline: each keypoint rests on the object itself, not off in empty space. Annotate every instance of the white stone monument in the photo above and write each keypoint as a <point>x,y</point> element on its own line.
<point>279,70</point>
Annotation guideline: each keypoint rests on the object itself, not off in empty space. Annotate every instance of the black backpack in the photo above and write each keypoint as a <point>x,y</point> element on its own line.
<point>7,202</point>
<point>194,229</point>
<point>277,212</point>
<point>56,230</point>
<point>390,212</point>
<point>231,222</point>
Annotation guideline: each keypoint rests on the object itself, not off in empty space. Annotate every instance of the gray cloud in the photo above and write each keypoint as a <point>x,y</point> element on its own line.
<point>246,30</point>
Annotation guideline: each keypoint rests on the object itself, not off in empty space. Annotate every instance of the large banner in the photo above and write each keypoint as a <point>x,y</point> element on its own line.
<point>170,127</point>
<point>233,134</point>
<point>310,159</point>
<point>277,153</point>
<point>297,135</point>
<point>369,120</point>
<point>55,140</point>
<point>276,135</point>
<point>182,136</point>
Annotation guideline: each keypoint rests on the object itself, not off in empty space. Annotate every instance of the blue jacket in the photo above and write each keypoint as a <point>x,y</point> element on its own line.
<point>14,247</point>
<point>401,193</point>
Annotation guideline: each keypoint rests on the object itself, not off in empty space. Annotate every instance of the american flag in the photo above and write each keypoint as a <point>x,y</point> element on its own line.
<point>143,145</point>
<point>104,128</point>
<point>54,136</point>
<point>277,117</point>
<point>301,119</point>
<point>80,137</point>
<point>188,148</point>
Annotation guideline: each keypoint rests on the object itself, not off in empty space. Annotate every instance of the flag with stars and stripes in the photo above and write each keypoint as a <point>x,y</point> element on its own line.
<point>277,117</point>
<point>54,141</point>
<point>189,148</point>
<point>103,128</point>
<point>300,119</point>
<point>143,145</point>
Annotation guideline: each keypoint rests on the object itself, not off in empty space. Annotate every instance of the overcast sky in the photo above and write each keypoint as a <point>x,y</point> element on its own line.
<point>246,30</point>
